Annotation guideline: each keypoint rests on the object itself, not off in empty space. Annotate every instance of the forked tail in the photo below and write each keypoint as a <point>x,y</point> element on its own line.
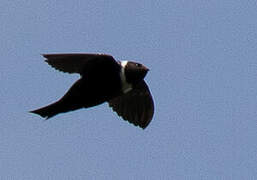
<point>49,111</point>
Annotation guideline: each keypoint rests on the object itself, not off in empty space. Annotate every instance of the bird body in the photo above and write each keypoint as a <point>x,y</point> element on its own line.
<point>103,79</point>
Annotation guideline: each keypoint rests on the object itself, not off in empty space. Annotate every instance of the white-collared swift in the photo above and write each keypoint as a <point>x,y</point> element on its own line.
<point>103,79</point>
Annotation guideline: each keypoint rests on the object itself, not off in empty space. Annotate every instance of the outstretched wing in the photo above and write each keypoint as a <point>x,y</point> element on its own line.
<point>136,106</point>
<point>75,63</point>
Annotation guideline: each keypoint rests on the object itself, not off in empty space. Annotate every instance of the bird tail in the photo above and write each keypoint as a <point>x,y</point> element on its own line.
<point>50,110</point>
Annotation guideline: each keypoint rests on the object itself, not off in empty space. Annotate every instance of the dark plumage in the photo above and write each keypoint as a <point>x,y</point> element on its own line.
<point>103,79</point>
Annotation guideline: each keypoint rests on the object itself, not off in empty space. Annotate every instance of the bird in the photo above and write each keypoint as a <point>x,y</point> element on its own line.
<point>102,79</point>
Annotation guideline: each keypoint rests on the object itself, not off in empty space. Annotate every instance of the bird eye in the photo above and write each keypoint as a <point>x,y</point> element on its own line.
<point>138,65</point>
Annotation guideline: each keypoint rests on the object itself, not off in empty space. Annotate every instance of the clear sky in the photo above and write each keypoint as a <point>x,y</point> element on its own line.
<point>202,57</point>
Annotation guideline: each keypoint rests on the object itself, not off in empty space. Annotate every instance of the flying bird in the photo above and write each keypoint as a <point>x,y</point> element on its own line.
<point>103,79</point>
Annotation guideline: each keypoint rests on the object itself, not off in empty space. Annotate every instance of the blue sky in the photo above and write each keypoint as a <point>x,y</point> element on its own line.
<point>203,77</point>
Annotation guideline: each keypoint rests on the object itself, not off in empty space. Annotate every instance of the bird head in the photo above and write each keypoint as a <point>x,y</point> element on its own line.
<point>134,72</point>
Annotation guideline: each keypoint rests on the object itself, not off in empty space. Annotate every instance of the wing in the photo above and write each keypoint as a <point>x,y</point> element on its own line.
<point>136,106</point>
<point>75,63</point>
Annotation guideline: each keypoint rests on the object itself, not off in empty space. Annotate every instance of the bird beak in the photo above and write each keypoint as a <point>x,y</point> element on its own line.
<point>145,68</point>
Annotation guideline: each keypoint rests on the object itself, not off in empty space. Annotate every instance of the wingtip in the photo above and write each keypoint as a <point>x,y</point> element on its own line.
<point>143,126</point>
<point>44,55</point>
<point>31,112</point>
<point>48,56</point>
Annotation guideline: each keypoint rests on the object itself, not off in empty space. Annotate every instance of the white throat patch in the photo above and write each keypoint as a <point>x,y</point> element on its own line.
<point>126,87</point>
